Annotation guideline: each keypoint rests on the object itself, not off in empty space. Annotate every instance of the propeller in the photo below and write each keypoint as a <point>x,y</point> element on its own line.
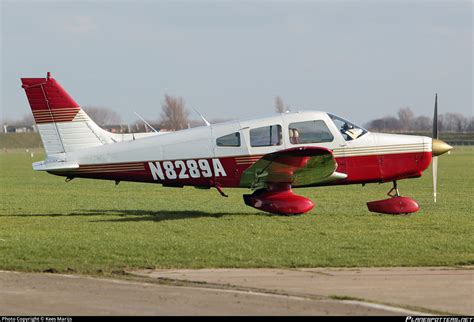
<point>435,158</point>
<point>438,148</point>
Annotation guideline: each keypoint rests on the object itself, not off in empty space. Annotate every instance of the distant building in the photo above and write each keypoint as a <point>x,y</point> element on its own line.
<point>19,128</point>
<point>135,128</point>
<point>142,127</point>
<point>116,128</point>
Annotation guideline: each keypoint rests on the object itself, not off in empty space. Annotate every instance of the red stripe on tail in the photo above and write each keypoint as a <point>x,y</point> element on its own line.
<point>49,101</point>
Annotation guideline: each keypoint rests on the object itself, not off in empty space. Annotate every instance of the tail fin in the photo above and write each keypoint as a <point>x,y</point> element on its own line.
<point>62,124</point>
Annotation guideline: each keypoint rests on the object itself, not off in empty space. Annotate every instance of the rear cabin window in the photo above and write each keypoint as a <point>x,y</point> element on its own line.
<point>309,132</point>
<point>232,140</point>
<point>265,136</point>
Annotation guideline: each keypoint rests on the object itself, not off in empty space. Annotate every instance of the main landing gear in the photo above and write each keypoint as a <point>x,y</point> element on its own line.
<point>278,198</point>
<point>395,205</point>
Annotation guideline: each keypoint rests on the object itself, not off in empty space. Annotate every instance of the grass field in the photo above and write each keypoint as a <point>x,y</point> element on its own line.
<point>20,140</point>
<point>93,227</point>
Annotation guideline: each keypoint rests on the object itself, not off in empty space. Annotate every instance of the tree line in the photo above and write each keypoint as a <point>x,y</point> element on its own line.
<point>406,121</point>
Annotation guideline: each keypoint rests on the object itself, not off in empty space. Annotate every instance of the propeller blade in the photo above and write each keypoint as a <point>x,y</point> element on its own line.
<point>435,118</point>
<point>435,158</point>
<point>435,176</point>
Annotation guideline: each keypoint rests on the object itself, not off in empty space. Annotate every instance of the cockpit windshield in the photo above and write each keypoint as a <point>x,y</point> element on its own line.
<point>349,130</point>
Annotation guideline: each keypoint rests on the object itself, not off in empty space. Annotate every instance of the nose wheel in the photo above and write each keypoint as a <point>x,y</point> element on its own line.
<point>395,205</point>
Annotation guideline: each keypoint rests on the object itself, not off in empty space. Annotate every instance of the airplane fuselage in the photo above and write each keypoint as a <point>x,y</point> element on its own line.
<point>219,154</point>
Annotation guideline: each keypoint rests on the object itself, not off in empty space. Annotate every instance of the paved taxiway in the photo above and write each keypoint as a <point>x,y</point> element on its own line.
<point>371,291</point>
<point>437,289</point>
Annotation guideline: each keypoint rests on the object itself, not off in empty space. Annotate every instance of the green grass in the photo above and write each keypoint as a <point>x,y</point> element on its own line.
<point>25,140</point>
<point>92,227</point>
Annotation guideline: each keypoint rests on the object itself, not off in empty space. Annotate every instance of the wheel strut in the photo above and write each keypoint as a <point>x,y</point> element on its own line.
<point>394,192</point>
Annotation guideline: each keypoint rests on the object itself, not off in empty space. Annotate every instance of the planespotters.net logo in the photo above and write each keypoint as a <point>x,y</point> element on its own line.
<point>439,319</point>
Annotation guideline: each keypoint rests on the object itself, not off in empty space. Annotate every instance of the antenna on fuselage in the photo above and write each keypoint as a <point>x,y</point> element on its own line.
<point>151,127</point>
<point>202,117</point>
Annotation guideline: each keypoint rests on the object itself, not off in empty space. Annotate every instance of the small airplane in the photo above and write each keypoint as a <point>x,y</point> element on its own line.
<point>269,155</point>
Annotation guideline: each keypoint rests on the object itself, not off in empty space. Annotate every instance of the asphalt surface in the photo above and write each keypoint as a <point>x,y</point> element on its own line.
<point>394,291</point>
<point>426,289</point>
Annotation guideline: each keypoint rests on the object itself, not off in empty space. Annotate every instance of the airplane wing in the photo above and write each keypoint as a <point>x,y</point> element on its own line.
<point>303,166</point>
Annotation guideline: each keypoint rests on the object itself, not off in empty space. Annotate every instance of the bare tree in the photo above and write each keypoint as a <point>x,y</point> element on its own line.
<point>387,123</point>
<point>454,122</point>
<point>421,123</point>
<point>102,115</point>
<point>470,125</point>
<point>280,106</point>
<point>174,115</point>
<point>405,115</point>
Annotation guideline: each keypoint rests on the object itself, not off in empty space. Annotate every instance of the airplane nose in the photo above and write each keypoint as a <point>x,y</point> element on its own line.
<point>439,147</point>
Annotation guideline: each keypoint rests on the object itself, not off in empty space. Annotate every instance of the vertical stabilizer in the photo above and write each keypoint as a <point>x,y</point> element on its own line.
<point>62,124</point>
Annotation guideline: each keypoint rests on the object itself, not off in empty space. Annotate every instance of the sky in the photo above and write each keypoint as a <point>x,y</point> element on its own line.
<point>229,59</point>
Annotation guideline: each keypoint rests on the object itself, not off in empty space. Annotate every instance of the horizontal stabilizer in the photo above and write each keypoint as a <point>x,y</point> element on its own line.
<point>54,166</point>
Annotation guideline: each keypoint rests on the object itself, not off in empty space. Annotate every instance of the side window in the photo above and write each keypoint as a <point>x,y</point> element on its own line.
<point>309,132</point>
<point>265,136</point>
<point>229,140</point>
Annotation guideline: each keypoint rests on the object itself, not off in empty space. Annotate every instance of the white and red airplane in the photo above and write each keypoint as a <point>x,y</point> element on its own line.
<point>269,155</point>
